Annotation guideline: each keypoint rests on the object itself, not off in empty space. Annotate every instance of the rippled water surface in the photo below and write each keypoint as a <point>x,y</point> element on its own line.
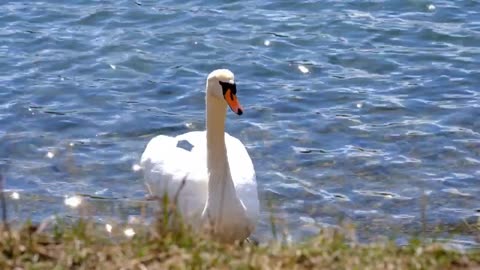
<point>364,112</point>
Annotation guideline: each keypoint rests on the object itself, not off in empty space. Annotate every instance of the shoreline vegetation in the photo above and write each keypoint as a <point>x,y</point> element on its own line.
<point>83,245</point>
<point>170,244</point>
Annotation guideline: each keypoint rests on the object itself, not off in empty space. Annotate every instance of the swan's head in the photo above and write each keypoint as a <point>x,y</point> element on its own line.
<point>221,84</point>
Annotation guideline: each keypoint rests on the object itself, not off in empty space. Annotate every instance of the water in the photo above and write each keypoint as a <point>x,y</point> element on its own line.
<point>361,112</point>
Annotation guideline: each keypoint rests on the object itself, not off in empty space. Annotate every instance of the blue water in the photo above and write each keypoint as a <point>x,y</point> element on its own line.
<point>358,112</point>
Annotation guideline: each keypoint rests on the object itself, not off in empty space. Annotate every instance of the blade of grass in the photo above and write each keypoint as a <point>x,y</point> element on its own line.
<point>4,205</point>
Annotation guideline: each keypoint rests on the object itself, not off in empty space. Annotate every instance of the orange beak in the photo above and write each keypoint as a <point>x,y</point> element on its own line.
<point>232,102</point>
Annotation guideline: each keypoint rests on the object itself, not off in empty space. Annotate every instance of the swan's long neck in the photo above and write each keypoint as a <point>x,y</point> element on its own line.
<point>222,197</point>
<point>216,150</point>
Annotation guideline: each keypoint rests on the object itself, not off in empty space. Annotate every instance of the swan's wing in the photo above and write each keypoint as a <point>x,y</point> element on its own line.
<point>241,166</point>
<point>243,176</point>
<point>173,163</point>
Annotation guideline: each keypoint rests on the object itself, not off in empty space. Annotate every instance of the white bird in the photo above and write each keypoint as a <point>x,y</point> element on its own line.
<point>212,170</point>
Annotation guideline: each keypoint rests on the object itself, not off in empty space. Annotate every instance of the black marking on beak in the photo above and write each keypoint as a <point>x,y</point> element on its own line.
<point>239,111</point>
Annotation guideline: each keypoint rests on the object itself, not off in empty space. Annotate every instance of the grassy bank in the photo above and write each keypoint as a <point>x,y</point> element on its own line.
<point>169,244</point>
<point>84,245</point>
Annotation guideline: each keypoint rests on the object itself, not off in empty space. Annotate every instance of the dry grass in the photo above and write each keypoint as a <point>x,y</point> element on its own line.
<point>84,246</point>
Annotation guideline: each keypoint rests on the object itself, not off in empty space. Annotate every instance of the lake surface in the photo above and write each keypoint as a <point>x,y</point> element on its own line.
<point>355,112</point>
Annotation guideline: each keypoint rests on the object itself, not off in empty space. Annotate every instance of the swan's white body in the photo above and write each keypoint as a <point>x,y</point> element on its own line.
<point>220,191</point>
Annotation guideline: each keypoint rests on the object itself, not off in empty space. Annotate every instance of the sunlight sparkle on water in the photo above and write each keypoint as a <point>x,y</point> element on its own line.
<point>266,42</point>
<point>108,227</point>
<point>431,7</point>
<point>129,232</point>
<point>303,69</point>
<point>50,154</point>
<point>112,66</point>
<point>136,167</point>
<point>15,195</point>
<point>73,201</point>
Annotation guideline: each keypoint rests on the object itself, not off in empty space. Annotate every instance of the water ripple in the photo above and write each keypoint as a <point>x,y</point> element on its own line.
<point>354,110</point>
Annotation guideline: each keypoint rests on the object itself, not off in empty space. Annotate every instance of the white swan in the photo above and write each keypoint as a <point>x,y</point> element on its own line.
<point>220,189</point>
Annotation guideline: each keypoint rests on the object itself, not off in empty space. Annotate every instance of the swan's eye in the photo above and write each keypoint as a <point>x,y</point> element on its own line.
<point>228,86</point>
